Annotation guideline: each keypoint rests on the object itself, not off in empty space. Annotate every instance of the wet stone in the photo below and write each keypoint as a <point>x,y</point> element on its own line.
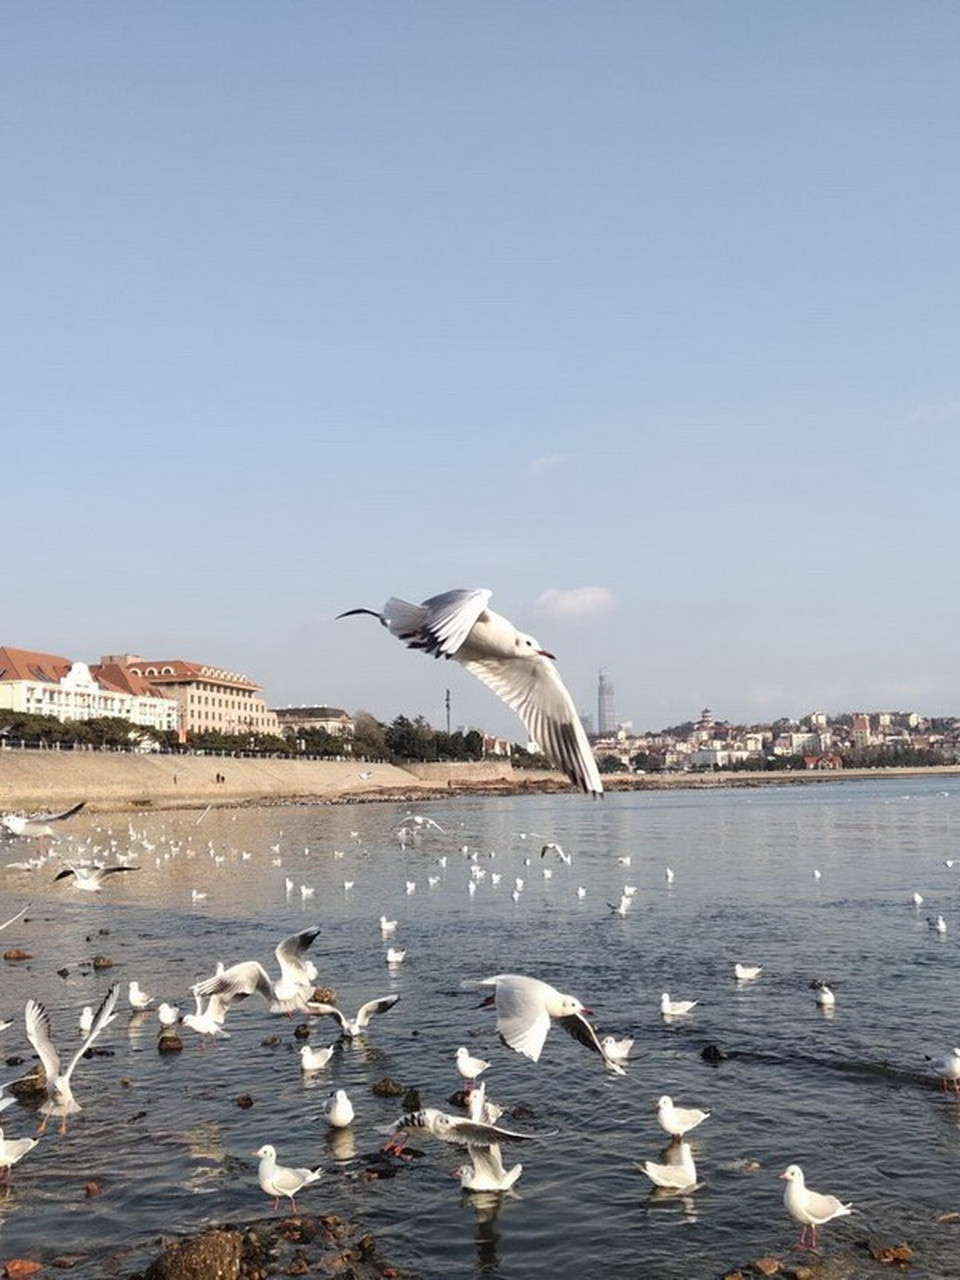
<point>214,1255</point>
<point>387,1088</point>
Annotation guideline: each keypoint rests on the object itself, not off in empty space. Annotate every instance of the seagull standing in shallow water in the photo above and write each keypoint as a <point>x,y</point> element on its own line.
<point>277,1180</point>
<point>458,624</point>
<point>809,1208</point>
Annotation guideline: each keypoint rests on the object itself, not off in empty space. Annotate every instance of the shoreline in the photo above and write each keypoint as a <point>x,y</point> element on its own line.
<point>107,782</point>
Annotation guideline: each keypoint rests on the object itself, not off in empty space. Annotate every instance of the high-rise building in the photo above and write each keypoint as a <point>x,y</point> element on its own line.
<point>606,716</point>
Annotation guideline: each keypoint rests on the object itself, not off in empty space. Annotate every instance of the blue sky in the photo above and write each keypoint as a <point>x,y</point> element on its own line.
<point>643,316</point>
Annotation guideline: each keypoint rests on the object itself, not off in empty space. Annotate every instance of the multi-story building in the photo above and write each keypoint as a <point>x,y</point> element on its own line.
<point>46,684</point>
<point>209,699</point>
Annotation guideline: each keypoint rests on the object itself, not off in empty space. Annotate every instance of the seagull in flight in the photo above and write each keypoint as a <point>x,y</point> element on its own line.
<point>39,824</point>
<point>351,1028</point>
<point>90,878</point>
<point>525,1007</point>
<point>288,993</point>
<point>60,1100</point>
<point>458,624</point>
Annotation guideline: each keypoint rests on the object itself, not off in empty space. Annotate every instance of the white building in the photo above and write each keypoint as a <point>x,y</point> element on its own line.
<point>45,684</point>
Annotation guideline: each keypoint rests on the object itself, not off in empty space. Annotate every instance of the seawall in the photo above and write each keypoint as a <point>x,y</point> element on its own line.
<point>50,780</point>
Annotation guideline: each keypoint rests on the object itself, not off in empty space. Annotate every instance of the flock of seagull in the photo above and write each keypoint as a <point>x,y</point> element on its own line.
<point>525,1009</point>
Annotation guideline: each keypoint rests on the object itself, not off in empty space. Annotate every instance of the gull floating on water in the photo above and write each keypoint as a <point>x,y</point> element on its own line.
<point>747,972</point>
<point>937,924</point>
<point>679,1175</point>
<point>277,1180</point>
<point>949,1071</point>
<point>809,1208</point>
<point>338,1110</point>
<point>675,1008</point>
<point>315,1059</point>
<point>458,624</point>
<point>525,1007</point>
<point>824,997</point>
<point>60,1100</point>
<point>678,1121</point>
<point>290,992</point>
<point>353,1027</point>
<point>616,1050</point>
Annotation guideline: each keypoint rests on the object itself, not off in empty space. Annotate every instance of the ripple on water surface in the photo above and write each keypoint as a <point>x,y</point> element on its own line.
<point>851,1097</point>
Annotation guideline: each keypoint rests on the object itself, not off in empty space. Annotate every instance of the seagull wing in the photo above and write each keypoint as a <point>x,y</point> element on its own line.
<point>59,817</point>
<point>330,1010</point>
<point>440,625</point>
<point>67,871</point>
<point>101,1018</point>
<point>380,1005</point>
<point>532,687</point>
<point>473,1133</point>
<point>584,1033</point>
<point>238,982</point>
<point>38,1033</point>
<point>291,952</point>
<point>522,1018</point>
<point>13,919</point>
<point>822,1207</point>
<point>109,871</point>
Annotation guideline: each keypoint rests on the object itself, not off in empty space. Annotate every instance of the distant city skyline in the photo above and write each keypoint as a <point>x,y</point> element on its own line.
<point>642,316</point>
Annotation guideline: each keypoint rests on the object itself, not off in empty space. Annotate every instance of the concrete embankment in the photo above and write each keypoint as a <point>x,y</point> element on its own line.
<point>51,779</point>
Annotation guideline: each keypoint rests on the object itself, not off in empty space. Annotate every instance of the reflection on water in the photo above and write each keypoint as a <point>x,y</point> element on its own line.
<point>850,1092</point>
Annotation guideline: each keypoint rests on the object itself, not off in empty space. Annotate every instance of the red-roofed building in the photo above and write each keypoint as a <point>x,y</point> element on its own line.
<point>210,699</point>
<point>46,684</point>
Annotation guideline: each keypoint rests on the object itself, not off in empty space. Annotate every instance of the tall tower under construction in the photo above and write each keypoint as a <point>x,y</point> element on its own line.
<point>606,716</point>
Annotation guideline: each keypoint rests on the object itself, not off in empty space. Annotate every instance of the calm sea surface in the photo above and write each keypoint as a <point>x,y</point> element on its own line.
<point>852,1098</point>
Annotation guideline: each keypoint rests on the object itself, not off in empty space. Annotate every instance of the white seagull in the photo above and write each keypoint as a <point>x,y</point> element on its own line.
<point>824,997</point>
<point>39,824</point>
<point>351,1028</point>
<point>747,972</point>
<point>338,1110</point>
<point>469,1067</point>
<point>315,1059</point>
<point>673,1176</point>
<point>277,1180</point>
<point>809,1208</point>
<point>447,1128</point>
<point>290,992</point>
<point>524,1008</point>
<point>678,1121</point>
<point>616,1050</point>
<point>458,624</point>
<point>209,1021</point>
<point>90,878</point>
<point>60,1100</point>
<point>675,1008</point>
<point>11,1151</point>
<point>138,998</point>
<point>949,1071</point>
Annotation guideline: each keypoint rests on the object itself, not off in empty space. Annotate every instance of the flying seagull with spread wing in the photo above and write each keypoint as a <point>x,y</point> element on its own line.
<point>458,624</point>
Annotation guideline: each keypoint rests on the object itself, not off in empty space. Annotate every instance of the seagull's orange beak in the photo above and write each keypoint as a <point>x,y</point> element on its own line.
<point>545,653</point>
<point>782,1175</point>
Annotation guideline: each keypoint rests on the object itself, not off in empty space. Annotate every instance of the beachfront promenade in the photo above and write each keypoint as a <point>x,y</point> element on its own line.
<point>106,780</point>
